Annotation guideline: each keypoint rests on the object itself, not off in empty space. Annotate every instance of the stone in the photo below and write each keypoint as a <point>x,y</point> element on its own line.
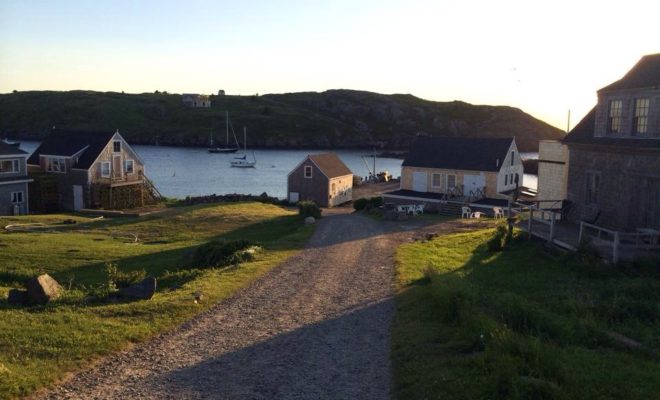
<point>310,220</point>
<point>199,296</point>
<point>142,291</point>
<point>42,289</point>
<point>17,297</point>
<point>431,236</point>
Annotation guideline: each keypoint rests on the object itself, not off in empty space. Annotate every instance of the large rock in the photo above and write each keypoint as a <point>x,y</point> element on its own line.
<point>142,291</point>
<point>310,220</point>
<point>17,297</point>
<point>42,289</point>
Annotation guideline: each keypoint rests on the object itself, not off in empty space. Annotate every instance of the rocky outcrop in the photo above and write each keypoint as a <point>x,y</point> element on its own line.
<point>42,289</point>
<point>140,291</point>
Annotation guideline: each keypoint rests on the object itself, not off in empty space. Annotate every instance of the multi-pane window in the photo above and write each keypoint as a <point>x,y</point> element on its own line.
<point>9,166</point>
<point>437,180</point>
<point>641,116</point>
<point>56,165</point>
<point>308,171</point>
<point>506,180</point>
<point>593,179</point>
<point>16,197</point>
<point>116,146</point>
<point>614,119</point>
<point>128,167</point>
<point>513,153</point>
<point>451,181</point>
<point>105,169</point>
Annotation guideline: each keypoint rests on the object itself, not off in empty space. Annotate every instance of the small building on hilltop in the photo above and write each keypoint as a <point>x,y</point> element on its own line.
<point>322,178</point>
<point>613,176</point>
<point>465,170</point>
<point>73,170</point>
<point>195,100</point>
<point>13,180</point>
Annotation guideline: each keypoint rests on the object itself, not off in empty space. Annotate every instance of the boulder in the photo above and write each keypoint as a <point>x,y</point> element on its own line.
<point>142,291</point>
<point>310,220</point>
<point>42,289</point>
<point>17,297</point>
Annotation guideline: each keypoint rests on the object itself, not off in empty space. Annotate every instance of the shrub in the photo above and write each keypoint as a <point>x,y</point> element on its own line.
<point>118,279</point>
<point>367,203</point>
<point>497,242</point>
<point>220,254</point>
<point>309,209</point>
<point>360,204</point>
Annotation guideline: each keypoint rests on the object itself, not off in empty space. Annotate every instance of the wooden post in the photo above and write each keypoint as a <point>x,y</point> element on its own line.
<point>581,231</point>
<point>615,249</point>
<point>552,227</point>
<point>529,222</point>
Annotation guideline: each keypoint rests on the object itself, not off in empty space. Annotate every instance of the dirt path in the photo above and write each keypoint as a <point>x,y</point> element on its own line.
<point>316,327</point>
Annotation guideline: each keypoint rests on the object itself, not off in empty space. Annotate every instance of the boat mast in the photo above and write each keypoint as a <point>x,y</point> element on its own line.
<point>227,129</point>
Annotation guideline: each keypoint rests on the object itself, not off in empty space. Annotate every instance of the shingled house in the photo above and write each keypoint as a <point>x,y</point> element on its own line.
<point>465,170</point>
<point>614,154</point>
<point>76,169</point>
<point>13,180</point>
<point>322,178</point>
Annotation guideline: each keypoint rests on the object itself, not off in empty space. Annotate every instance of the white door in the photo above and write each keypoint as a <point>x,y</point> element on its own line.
<point>419,181</point>
<point>473,182</point>
<point>294,197</point>
<point>77,197</point>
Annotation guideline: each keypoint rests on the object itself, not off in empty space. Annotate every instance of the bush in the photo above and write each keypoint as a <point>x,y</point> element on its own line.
<point>118,279</point>
<point>309,209</point>
<point>222,254</point>
<point>360,204</point>
<point>497,242</point>
<point>367,203</point>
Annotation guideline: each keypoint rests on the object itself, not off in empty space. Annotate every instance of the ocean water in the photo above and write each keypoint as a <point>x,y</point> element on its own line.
<point>178,172</point>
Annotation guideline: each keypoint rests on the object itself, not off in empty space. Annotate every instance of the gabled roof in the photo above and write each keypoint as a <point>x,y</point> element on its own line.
<point>68,143</point>
<point>9,150</point>
<point>646,73</point>
<point>331,165</point>
<point>583,133</point>
<point>473,154</point>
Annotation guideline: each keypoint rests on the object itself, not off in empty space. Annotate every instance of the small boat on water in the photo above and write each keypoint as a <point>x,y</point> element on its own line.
<point>226,148</point>
<point>242,161</point>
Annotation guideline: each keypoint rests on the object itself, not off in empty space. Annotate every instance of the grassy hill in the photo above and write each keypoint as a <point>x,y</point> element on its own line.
<point>331,119</point>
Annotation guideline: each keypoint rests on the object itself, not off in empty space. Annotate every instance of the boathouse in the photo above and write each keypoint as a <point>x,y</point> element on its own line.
<point>322,178</point>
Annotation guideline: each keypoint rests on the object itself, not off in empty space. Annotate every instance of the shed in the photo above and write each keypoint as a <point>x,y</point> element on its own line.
<point>322,178</point>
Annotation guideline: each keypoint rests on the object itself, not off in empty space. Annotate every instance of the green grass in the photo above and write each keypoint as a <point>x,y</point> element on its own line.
<point>38,345</point>
<point>524,323</point>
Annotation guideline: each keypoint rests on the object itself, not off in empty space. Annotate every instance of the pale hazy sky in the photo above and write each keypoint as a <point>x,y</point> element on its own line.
<point>543,57</point>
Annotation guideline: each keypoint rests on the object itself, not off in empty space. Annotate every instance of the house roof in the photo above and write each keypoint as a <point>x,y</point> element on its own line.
<point>7,149</point>
<point>67,143</point>
<point>646,73</point>
<point>473,154</point>
<point>330,164</point>
<point>583,133</point>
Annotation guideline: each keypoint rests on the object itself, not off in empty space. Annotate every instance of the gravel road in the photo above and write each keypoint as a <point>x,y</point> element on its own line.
<point>316,327</point>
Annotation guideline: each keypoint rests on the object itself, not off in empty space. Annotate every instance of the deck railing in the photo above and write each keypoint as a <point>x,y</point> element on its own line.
<point>643,239</point>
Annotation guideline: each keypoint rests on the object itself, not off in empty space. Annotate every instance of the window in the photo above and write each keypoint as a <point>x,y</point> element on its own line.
<point>334,188</point>
<point>116,146</point>
<point>9,166</point>
<point>105,169</point>
<point>513,153</point>
<point>308,171</point>
<point>614,120</point>
<point>16,197</point>
<point>593,179</point>
<point>437,180</point>
<point>451,181</point>
<point>641,117</point>
<point>128,166</point>
<point>56,165</point>
<point>506,180</point>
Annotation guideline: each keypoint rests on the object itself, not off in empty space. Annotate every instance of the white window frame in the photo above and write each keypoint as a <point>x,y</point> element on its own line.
<point>614,114</point>
<point>59,161</point>
<point>307,168</point>
<point>103,175</point>
<point>14,197</point>
<point>641,116</point>
<point>15,165</point>
<point>126,163</point>
<point>433,176</point>
<point>114,142</point>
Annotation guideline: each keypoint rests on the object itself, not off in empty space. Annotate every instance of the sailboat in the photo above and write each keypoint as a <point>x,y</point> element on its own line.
<point>226,148</point>
<point>242,161</point>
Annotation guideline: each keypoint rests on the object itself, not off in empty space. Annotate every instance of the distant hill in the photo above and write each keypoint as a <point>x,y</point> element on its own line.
<point>331,119</point>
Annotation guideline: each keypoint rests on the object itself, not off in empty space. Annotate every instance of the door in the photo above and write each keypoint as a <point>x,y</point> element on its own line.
<point>472,183</point>
<point>419,181</point>
<point>77,197</point>
<point>117,170</point>
<point>294,197</point>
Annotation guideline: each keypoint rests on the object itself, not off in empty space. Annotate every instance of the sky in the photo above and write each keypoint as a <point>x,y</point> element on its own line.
<point>544,57</point>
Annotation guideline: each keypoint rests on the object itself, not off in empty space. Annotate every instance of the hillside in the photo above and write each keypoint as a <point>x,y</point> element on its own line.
<point>331,119</point>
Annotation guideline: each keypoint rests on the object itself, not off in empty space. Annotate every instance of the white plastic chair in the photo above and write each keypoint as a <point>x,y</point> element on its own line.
<point>498,212</point>
<point>466,212</point>
<point>477,214</point>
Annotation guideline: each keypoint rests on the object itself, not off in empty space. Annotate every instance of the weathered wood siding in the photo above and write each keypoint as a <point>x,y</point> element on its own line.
<point>316,188</point>
<point>117,176</point>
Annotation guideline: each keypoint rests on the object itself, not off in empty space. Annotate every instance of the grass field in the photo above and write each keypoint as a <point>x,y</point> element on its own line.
<point>524,323</point>
<point>38,345</point>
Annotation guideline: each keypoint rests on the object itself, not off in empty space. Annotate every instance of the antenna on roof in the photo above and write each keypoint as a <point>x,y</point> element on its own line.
<point>568,123</point>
